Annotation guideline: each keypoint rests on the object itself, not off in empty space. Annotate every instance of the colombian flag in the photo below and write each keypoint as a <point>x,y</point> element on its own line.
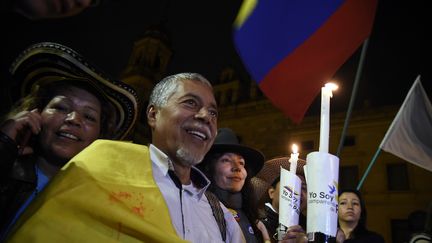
<point>293,47</point>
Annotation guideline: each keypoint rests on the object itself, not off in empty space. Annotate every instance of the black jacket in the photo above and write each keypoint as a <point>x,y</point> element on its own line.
<point>366,236</point>
<point>271,222</point>
<point>17,180</point>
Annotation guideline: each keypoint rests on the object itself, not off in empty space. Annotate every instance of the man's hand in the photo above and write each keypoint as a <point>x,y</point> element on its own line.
<point>294,234</point>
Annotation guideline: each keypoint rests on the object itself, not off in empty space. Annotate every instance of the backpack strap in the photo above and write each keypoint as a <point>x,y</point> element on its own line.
<point>217,213</point>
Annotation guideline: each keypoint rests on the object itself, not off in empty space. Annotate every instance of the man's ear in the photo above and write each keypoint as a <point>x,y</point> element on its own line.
<point>151,115</point>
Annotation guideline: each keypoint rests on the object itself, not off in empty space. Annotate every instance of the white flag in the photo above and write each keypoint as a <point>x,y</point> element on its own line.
<point>410,134</point>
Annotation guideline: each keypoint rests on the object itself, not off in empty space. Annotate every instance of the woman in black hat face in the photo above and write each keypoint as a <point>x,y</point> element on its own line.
<point>230,166</point>
<point>230,172</point>
<point>64,112</point>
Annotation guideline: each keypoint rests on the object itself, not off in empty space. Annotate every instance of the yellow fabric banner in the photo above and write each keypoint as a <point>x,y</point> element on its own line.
<point>96,198</point>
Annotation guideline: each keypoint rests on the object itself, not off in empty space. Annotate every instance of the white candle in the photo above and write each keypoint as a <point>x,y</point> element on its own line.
<point>326,94</point>
<point>293,159</point>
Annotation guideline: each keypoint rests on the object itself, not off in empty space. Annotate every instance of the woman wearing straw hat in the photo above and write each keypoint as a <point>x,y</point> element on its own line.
<point>67,105</point>
<point>230,165</point>
<point>267,182</point>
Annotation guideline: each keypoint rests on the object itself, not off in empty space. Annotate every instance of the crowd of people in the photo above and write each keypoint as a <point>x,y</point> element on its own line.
<point>67,175</point>
<point>65,167</point>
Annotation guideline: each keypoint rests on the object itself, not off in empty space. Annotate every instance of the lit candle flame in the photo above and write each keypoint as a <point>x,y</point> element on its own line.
<point>293,159</point>
<point>294,148</point>
<point>331,86</point>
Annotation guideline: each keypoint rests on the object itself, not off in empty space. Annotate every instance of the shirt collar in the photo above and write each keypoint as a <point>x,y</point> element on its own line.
<point>163,163</point>
<point>270,206</point>
<point>160,159</point>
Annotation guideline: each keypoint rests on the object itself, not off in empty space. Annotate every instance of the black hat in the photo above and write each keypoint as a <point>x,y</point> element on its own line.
<point>226,141</point>
<point>47,62</point>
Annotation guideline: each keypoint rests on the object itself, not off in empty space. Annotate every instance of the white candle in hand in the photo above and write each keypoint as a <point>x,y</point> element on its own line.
<point>326,94</point>
<point>293,159</point>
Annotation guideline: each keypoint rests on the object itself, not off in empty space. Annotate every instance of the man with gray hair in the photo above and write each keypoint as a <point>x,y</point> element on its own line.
<point>155,193</point>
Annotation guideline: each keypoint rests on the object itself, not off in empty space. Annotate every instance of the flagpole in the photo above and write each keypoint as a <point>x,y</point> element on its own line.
<point>369,168</point>
<point>353,95</point>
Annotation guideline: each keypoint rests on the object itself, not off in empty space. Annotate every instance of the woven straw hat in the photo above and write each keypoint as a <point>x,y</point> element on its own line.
<point>270,171</point>
<point>47,62</point>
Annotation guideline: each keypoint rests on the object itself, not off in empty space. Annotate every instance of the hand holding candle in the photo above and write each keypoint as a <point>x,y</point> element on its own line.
<point>293,159</point>
<point>326,94</point>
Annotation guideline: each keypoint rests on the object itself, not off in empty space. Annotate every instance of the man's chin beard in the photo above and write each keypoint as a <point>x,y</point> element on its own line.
<point>187,158</point>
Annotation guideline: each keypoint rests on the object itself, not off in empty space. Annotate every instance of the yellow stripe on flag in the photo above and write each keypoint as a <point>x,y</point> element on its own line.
<point>245,11</point>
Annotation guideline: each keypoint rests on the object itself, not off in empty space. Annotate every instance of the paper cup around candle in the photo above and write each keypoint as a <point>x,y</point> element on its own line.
<point>322,196</point>
<point>289,198</point>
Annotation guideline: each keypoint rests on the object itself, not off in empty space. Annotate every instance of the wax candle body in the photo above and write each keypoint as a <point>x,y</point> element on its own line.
<point>293,162</point>
<point>293,159</point>
<point>326,93</point>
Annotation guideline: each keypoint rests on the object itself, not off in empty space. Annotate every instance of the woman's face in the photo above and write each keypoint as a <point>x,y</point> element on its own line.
<point>349,207</point>
<point>70,122</point>
<point>230,172</point>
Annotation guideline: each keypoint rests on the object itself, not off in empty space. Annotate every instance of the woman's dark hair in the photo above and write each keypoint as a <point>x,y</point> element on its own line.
<point>275,182</point>
<point>265,198</point>
<point>40,96</point>
<point>361,225</point>
<point>249,204</point>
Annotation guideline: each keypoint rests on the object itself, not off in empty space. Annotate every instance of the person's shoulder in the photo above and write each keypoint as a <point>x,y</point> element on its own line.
<point>103,148</point>
<point>115,144</point>
<point>367,236</point>
<point>110,160</point>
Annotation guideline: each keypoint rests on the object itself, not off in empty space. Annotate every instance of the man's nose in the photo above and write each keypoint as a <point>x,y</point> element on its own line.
<point>203,114</point>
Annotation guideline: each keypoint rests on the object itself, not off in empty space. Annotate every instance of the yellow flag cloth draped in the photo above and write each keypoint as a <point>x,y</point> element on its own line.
<point>104,194</point>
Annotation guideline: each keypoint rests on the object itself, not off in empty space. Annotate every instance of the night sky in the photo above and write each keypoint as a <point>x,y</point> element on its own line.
<point>201,37</point>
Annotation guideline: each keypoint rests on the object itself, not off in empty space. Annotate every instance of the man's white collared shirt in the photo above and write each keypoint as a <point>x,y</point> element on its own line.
<point>193,212</point>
